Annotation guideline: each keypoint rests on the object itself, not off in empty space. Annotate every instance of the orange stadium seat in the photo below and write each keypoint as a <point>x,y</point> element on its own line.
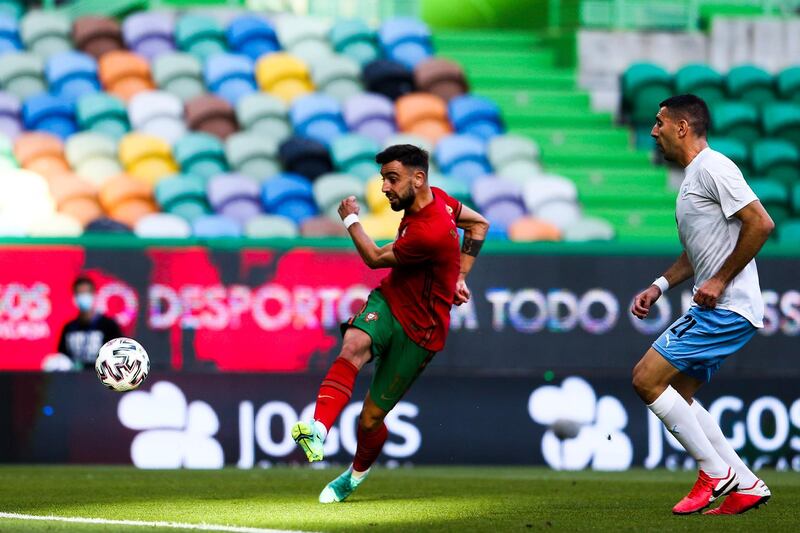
<point>75,197</point>
<point>423,114</point>
<point>42,153</point>
<point>528,229</point>
<point>127,200</point>
<point>124,74</point>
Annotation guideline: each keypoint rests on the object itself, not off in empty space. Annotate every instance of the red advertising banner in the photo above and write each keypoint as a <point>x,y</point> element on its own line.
<point>272,311</point>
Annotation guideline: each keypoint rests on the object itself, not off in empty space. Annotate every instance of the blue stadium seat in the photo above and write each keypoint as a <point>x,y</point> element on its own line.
<point>356,40</point>
<point>371,115</point>
<point>71,75</point>
<point>406,40</point>
<point>304,156</point>
<point>235,196</point>
<point>252,36</point>
<point>149,33</point>
<point>475,115</point>
<point>389,78</point>
<point>45,112</point>
<point>215,226</point>
<point>317,116</point>
<point>462,156</point>
<point>230,76</point>
<point>289,195</point>
<point>9,35</point>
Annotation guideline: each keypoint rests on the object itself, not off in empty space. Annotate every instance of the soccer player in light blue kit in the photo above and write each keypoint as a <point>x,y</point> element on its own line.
<point>722,226</point>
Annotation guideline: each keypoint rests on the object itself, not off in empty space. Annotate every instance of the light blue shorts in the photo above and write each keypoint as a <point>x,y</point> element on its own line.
<point>698,342</point>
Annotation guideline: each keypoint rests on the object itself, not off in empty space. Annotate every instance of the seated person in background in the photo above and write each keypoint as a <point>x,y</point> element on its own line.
<point>82,337</point>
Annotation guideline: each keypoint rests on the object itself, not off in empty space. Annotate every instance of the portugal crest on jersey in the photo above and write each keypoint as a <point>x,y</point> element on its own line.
<point>371,316</point>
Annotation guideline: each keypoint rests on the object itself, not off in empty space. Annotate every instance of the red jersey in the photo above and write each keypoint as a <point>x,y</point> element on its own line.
<point>420,290</point>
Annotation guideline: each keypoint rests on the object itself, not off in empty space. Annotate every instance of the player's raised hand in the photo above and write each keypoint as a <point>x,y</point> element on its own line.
<point>644,300</point>
<point>348,206</point>
<point>462,292</point>
<point>708,293</point>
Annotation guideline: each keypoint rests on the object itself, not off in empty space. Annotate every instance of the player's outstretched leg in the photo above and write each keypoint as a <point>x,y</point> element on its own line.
<point>651,379</point>
<point>334,393</point>
<point>743,499</point>
<point>372,434</point>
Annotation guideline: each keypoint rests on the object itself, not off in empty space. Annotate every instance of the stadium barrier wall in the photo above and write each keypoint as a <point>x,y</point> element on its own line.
<point>185,420</point>
<point>275,308</point>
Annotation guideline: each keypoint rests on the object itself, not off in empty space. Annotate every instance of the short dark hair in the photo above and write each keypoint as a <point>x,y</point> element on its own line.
<point>691,108</point>
<point>83,280</point>
<point>408,154</point>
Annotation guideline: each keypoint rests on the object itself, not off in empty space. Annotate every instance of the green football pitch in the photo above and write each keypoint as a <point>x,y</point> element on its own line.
<point>407,499</point>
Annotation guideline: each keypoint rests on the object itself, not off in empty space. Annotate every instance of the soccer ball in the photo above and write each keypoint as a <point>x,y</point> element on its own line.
<point>122,364</point>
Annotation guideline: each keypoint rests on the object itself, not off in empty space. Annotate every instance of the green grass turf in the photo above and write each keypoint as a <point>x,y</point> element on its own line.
<point>413,499</point>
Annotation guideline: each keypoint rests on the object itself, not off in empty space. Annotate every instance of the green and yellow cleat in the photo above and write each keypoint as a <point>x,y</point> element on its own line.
<point>309,439</point>
<point>342,487</point>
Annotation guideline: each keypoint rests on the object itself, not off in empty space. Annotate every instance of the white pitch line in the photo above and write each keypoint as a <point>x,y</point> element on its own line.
<point>142,523</point>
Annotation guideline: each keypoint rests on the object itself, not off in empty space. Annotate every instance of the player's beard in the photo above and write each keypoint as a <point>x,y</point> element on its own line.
<point>405,201</point>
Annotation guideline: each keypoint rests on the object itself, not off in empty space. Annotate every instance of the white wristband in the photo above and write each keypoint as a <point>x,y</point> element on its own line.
<point>662,284</point>
<point>349,220</point>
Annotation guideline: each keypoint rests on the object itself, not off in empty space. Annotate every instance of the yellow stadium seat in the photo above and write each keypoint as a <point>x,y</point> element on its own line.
<point>376,200</point>
<point>146,157</point>
<point>283,76</point>
<point>382,226</point>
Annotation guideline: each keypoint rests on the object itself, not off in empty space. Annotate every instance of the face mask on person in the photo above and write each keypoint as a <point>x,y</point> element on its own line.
<point>84,301</point>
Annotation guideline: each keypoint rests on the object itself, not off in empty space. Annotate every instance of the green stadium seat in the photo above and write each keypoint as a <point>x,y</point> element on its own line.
<point>739,120</point>
<point>735,150</point>
<point>331,189</point>
<point>776,159</point>
<point>12,8</point>
<point>356,40</point>
<point>338,76</point>
<point>783,120</point>
<point>788,84</point>
<point>200,154</point>
<point>456,188</point>
<point>182,195</point>
<point>355,154</point>
<point>22,74</point>
<point>508,151</point>
<point>271,227</point>
<point>253,155</point>
<point>700,80</point>
<point>774,197</point>
<point>644,85</point>
<point>46,32</point>
<point>200,36</point>
<point>180,74</point>
<point>264,114</point>
<point>589,229</point>
<point>750,84</point>
<point>789,231</point>
<point>795,198</point>
<point>103,113</point>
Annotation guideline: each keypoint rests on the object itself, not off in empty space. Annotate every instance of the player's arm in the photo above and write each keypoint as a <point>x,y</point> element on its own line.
<point>680,271</point>
<point>756,228</point>
<point>475,229</point>
<point>374,256</point>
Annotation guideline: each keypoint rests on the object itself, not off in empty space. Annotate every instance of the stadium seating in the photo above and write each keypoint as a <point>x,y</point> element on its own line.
<point>234,196</point>
<point>10,118</point>
<point>271,227</point>
<point>283,75</point>
<point>71,75</point>
<point>75,197</point>
<point>252,36</point>
<point>124,74</point>
<point>500,201</point>
<point>775,198</point>
<point>750,84</point>
<point>162,225</point>
<point>93,156</point>
<point>423,114</point>
<point>126,200</point>
<point>253,155</point>
<point>317,116</point>
<point>146,157</point>
<point>407,41</point>
<point>45,33</point>
<point>182,196</point>
<point>149,34</point>
<point>337,76</point>
<point>180,74</point>
<point>212,115</point>
<point>700,80</point>
<point>201,155</point>
<point>200,36</point>
<point>304,38</point>
<point>644,85</point>
<point>788,84</point>
<point>441,77</point>
<point>371,115</point>
<point>322,226</point>
<point>475,115</point>
<point>513,155</point>
<point>463,156</point>
<point>215,226</point>
<point>776,159</point>
<point>40,152</point>
<point>354,39</point>
<point>9,34</point>
<point>528,229</point>
<point>265,115</point>
<point>739,120</point>
<point>22,74</point>
<point>230,76</point>
<point>157,113</point>
<point>782,120</point>
<point>289,195</point>
<point>96,36</point>
<point>355,154</point>
<point>102,113</point>
<point>330,189</point>
<point>389,78</point>
<point>306,157</point>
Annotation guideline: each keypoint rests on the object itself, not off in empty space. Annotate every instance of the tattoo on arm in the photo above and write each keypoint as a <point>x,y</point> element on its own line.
<point>471,246</point>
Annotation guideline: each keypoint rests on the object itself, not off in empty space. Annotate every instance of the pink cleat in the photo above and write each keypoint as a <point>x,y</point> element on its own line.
<point>706,489</point>
<point>742,500</point>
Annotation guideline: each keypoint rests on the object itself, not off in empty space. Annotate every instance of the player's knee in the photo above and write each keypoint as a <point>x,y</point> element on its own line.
<point>355,354</point>
<point>642,383</point>
<point>370,421</point>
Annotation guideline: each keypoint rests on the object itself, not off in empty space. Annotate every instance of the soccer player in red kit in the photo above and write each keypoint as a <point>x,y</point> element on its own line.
<point>405,320</point>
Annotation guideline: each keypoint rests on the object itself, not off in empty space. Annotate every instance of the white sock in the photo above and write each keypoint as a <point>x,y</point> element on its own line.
<point>712,430</point>
<point>677,415</point>
<point>321,428</point>
<point>355,474</point>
